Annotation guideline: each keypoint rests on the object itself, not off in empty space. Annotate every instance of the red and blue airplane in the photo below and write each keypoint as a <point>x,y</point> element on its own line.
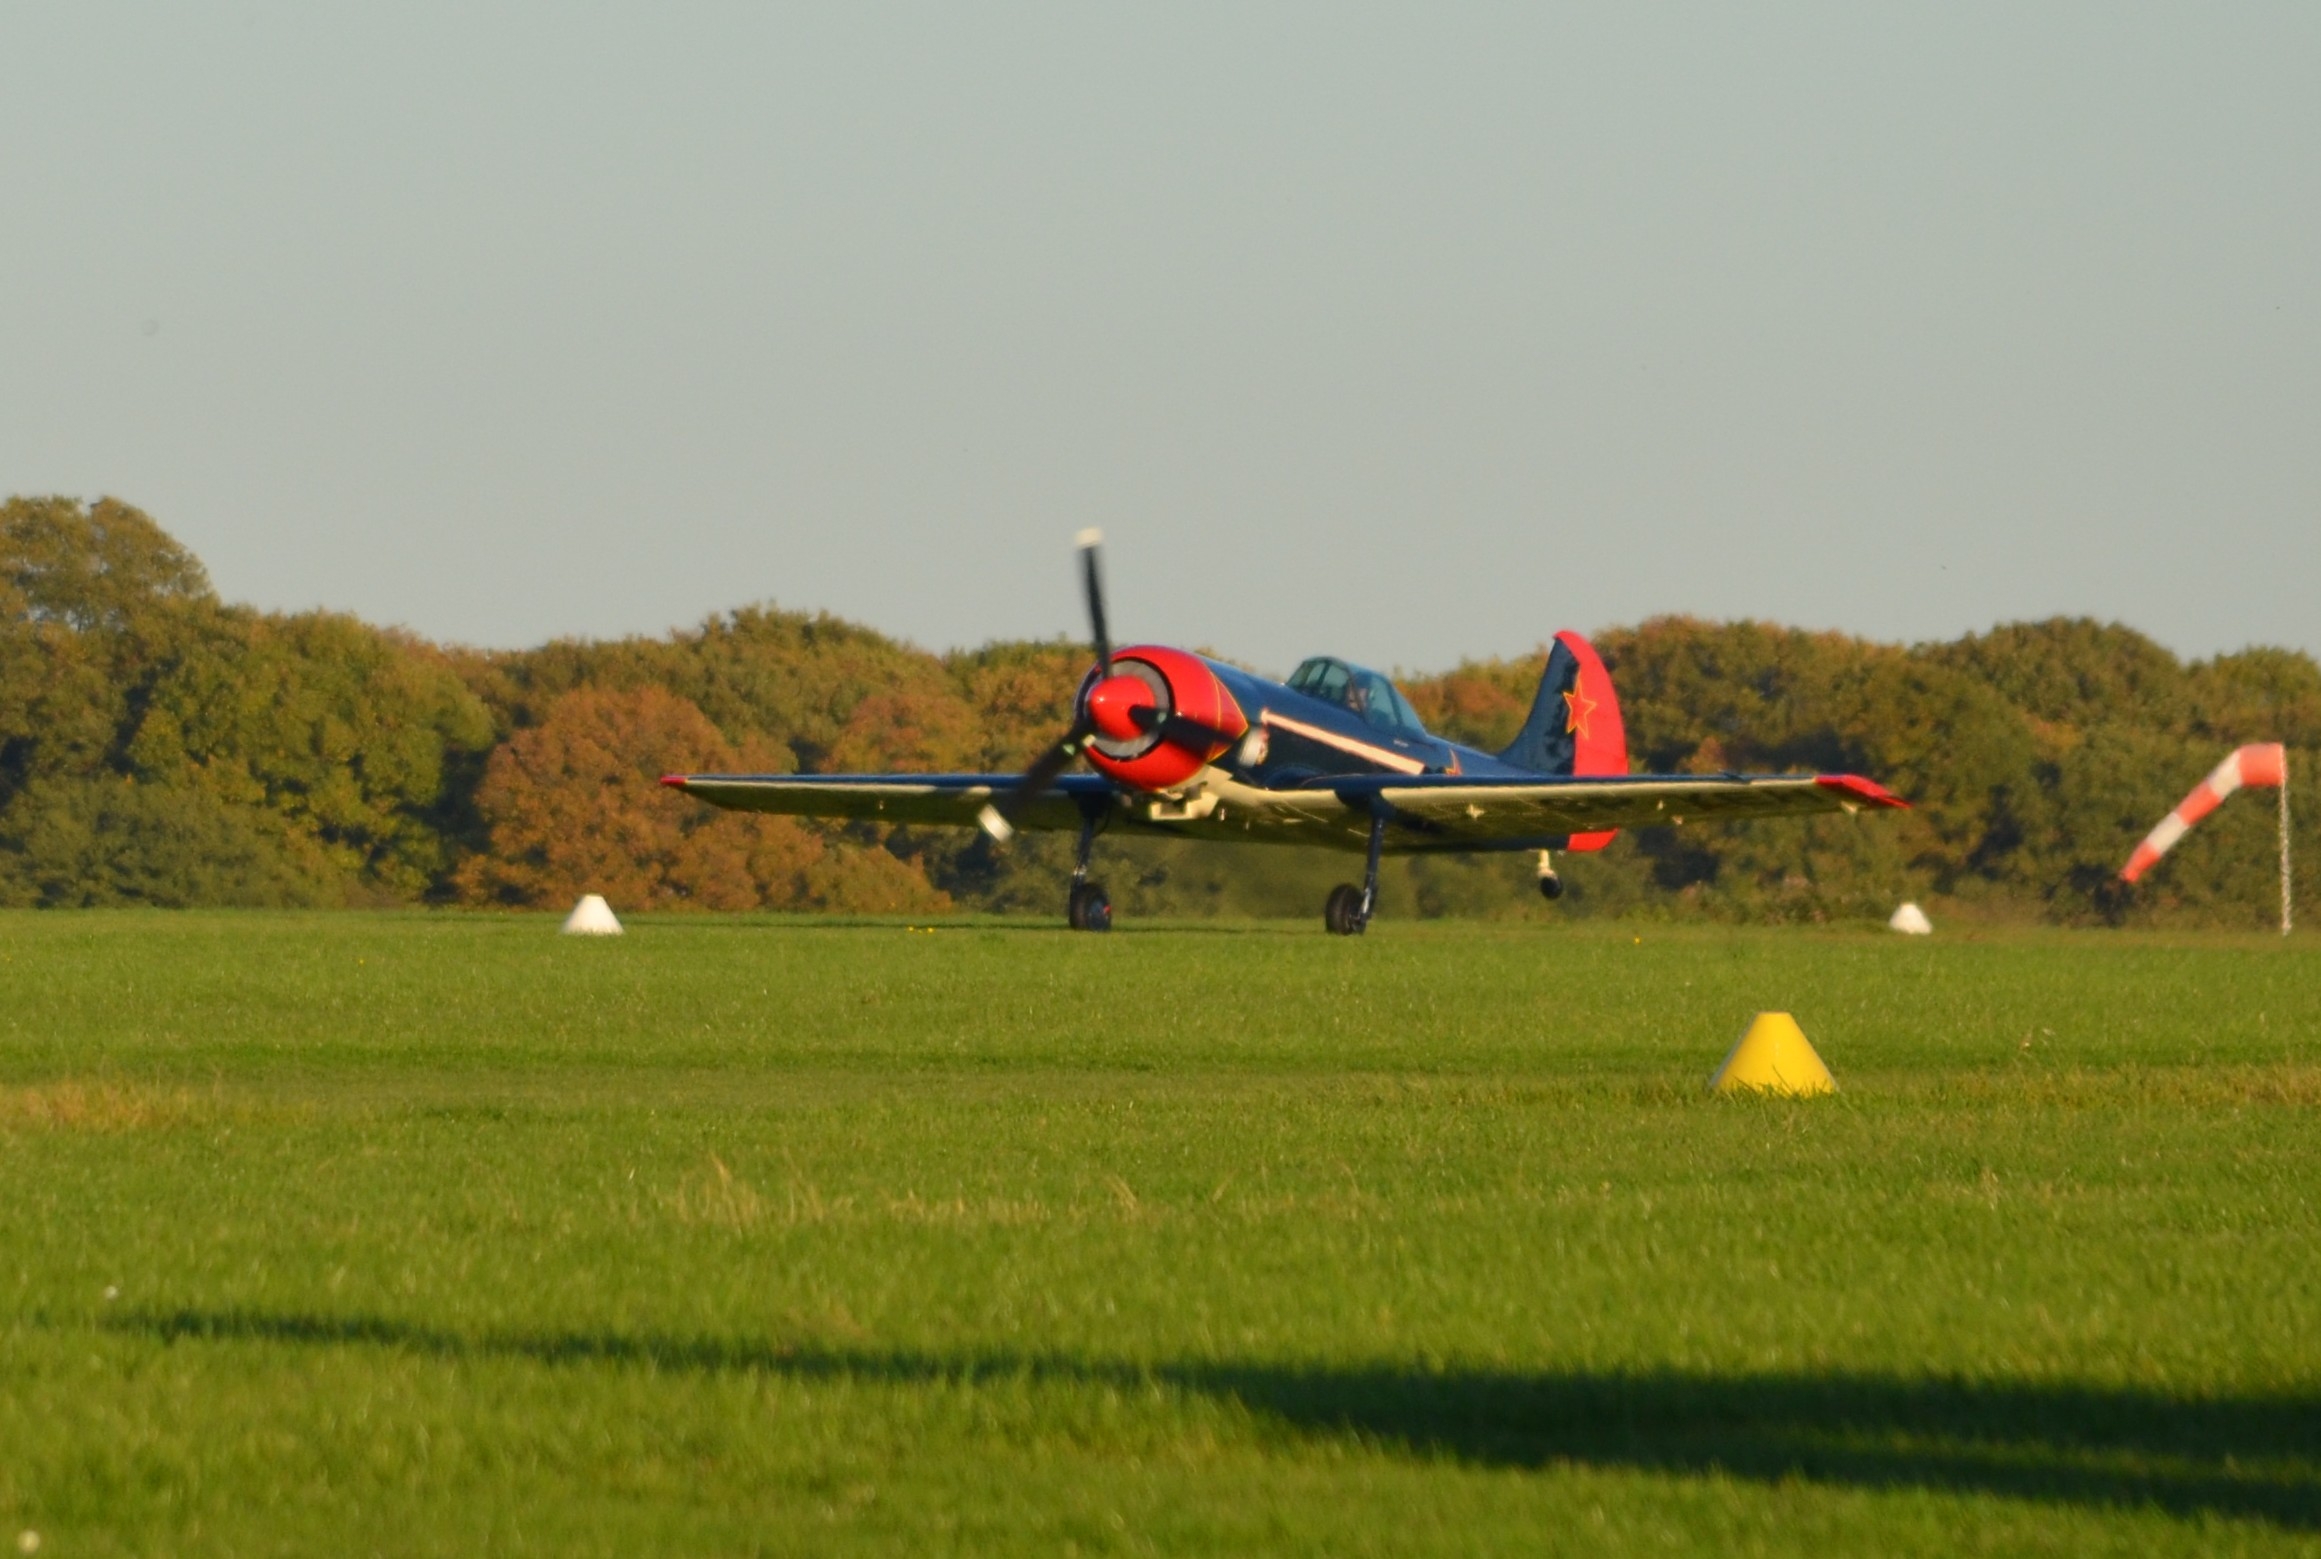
<point>1190,747</point>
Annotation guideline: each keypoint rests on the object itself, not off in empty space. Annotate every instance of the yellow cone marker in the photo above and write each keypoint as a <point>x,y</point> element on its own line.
<point>1774,1057</point>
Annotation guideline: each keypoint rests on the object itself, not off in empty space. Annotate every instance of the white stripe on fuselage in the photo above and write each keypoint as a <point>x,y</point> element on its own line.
<point>1401,763</point>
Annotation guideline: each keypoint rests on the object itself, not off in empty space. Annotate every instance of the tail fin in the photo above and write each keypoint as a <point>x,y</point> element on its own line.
<point>1574,727</point>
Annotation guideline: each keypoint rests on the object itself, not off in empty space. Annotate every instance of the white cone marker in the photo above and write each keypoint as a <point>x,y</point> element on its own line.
<point>592,916</point>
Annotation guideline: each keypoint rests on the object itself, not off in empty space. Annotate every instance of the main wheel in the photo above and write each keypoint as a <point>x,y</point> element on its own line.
<point>1089,909</point>
<point>1342,911</point>
<point>1551,887</point>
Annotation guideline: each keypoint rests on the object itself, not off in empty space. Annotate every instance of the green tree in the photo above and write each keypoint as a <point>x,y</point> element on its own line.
<point>108,841</point>
<point>93,600</point>
<point>336,742</point>
<point>345,733</point>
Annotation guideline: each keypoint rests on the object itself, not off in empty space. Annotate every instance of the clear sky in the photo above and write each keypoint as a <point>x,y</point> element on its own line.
<point>1407,334</point>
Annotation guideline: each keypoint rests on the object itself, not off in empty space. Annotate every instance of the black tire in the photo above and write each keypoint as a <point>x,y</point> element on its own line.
<point>1089,909</point>
<point>1342,911</point>
<point>1551,887</point>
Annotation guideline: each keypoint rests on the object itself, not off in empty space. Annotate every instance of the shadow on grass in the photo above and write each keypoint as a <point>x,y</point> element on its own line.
<point>2252,1457</point>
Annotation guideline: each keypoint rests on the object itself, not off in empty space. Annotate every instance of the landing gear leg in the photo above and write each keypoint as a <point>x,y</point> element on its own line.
<point>1349,908</point>
<point>1370,871</point>
<point>1086,907</point>
<point>1550,885</point>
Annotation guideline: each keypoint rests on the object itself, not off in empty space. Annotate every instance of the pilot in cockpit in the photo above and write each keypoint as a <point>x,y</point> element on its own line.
<point>1364,692</point>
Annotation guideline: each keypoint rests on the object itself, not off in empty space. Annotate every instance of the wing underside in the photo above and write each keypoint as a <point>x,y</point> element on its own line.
<point>1435,813</point>
<point>942,799</point>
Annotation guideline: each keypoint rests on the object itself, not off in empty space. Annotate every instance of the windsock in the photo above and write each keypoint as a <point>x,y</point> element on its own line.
<point>2260,763</point>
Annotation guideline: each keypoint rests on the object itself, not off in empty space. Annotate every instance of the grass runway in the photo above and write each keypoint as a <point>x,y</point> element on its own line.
<point>442,1234</point>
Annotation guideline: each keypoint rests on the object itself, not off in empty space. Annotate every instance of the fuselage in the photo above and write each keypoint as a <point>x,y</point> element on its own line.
<point>1332,719</point>
<point>1314,736</point>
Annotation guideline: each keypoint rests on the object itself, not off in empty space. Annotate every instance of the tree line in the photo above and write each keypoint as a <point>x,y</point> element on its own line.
<point>160,746</point>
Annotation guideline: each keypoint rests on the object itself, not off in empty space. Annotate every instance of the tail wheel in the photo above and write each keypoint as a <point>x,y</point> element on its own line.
<point>1342,912</point>
<point>1089,909</point>
<point>1551,887</point>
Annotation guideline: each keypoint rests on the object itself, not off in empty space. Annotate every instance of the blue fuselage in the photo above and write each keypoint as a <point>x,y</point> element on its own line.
<point>1311,738</point>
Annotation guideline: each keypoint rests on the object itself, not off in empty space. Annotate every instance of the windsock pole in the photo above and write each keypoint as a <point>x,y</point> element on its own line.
<point>2284,842</point>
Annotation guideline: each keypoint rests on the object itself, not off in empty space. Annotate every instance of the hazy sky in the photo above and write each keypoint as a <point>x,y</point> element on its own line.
<point>1408,334</point>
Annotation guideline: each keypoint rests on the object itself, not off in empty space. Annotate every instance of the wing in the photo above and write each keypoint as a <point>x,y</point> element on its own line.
<point>1463,813</point>
<point>953,799</point>
<point>1467,812</point>
<point>1434,812</point>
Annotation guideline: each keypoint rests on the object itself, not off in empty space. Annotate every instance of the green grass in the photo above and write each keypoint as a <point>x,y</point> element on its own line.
<point>444,1234</point>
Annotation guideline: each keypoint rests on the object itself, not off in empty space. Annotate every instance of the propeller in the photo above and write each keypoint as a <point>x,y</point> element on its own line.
<point>998,814</point>
<point>1115,716</point>
<point>1187,731</point>
<point>1088,541</point>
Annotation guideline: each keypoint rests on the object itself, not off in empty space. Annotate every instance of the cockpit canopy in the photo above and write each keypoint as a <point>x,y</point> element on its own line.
<point>1365,692</point>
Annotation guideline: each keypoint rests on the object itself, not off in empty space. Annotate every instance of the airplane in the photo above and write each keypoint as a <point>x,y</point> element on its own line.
<point>1189,747</point>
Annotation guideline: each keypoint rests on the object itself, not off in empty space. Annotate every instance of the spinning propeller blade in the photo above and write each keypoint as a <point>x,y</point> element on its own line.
<point>1089,540</point>
<point>1187,731</point>
<point>997,817</point>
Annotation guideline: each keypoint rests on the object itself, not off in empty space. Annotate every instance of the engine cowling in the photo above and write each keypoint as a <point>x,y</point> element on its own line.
<point>1127,711</point>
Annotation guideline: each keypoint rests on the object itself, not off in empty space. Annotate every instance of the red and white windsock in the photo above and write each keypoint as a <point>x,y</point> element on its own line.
<point>2260,763</point>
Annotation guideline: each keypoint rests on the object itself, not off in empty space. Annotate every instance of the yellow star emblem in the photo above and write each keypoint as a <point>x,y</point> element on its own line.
<point>1577,707</point>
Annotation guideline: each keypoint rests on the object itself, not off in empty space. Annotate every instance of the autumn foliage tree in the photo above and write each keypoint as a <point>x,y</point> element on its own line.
<point>574,805</point>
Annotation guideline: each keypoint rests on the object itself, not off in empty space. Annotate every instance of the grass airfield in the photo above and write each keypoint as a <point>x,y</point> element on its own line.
<point>432,1233</point>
